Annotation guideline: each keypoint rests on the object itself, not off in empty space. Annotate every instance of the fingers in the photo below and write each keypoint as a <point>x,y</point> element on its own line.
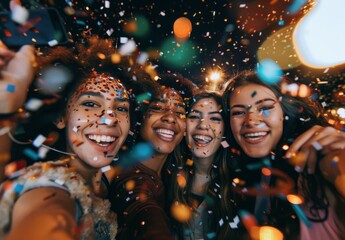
<point>304,151</point>
<point>5,55</point>
<point>302,140</point>
<point>22,65</point>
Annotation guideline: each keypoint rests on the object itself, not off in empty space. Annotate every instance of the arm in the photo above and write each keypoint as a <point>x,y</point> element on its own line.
<point>43,213</point>
<point>16,74</point>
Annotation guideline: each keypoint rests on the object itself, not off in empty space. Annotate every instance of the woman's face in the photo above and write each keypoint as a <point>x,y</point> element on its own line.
<point>205,128</point>
<point>164,123</point>
<point>256,119</point>
<point>98,120</point>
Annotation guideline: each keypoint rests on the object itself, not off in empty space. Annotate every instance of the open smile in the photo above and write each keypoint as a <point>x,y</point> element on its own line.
<point>255,137</point>
<point>103,143</point>
<point>165,134</point>
<point>202,140</point>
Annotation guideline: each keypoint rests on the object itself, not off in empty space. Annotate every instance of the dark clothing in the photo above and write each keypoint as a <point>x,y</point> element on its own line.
<point>137,196</point>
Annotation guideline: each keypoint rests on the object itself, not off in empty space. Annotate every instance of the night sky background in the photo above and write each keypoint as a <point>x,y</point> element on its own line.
<point>225,36</point>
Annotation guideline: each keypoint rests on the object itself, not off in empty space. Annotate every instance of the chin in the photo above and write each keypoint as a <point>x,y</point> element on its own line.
<point>257,154</point>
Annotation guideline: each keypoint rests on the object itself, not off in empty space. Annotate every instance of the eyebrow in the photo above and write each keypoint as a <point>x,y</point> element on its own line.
<point>98,94</point>
<point>256,103</point>
<point>181,105</point>
<point>199,112</point>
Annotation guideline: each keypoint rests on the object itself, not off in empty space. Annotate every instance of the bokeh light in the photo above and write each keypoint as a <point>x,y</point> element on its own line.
<point>319,35</point>
<point>269,71</point>
<point>178,54</point>
<point>182,28</point>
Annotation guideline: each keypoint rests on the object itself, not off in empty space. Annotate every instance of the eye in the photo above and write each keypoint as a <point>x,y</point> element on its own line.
<point>238,113</point>
<point>122,109</point>
<point>193,116</point>
<point>156,108</point>
<point>90,104</point>
<point>265,109</point>
<point>216,119</point>
<point>181,114</point>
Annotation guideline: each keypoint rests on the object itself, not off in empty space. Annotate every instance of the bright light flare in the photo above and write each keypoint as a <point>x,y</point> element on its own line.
<point>215,76</point>
<point>319,36</point>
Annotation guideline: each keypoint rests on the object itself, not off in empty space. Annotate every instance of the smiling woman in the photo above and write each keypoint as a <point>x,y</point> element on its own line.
<point>137,194</point>
<point>272,135</point>
<point>54,199</point>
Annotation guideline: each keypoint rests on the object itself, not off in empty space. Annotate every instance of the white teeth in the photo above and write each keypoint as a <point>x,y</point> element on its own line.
<point>202,138</point>
<point>164,131</point>
<point>256,134</point>
<point>101,138</point>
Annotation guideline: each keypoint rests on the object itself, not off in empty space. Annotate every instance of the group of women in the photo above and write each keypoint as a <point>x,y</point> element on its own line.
<point>216,167</point>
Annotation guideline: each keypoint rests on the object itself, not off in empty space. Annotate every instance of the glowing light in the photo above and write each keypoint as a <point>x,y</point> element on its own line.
<point>177,54</point>
<point>138,26</point>
<point>294,199</point>
<point>181,212</point>
<point>279,47</point>
<point>214,76</point>
<point>270,233</point>
<point>182,28</point>
<point>319,36</point>
<point>269,72</point>
<point>341,112</point>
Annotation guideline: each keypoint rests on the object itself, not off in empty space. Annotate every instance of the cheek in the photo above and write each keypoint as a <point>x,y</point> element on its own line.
<point>234,126</point>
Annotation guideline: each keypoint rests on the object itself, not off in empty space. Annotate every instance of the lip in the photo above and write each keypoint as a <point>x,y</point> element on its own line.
<point>201,143</point>
<point>256,136</point>
<point>102,148</point>
<point>165,134</point>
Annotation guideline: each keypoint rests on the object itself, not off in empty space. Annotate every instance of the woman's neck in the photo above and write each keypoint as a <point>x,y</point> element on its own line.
<point>156,162</point>
<point>202,166</point>
<point>88,173</point>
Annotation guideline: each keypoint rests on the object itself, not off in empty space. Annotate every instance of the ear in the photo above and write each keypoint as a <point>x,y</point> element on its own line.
<point>60,123</point>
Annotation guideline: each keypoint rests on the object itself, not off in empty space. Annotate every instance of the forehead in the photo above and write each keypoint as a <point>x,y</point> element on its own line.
<point>104,84</point>
<point>250,93</point>
<point>207,104</point>
<point>170,94</point>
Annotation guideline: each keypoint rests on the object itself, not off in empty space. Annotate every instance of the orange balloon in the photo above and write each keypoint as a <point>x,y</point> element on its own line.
<point>182,28</point>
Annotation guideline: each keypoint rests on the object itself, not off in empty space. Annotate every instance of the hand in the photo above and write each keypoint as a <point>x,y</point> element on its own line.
<point>323,140</point>
<point>16,74</point>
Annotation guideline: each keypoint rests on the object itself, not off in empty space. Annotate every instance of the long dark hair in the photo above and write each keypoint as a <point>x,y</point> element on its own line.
<point>216,208</point>
<point>300,114</point>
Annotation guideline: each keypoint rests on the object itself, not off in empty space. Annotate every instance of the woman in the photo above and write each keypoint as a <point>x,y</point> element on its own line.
<point>137,193</point>
<point>60,199</point>
<point>204,171</point>
<point>263,123</point>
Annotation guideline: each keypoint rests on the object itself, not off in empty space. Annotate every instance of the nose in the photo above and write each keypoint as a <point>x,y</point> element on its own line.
<point>253,118</point>
<point>109,118</point>
<point>169,116</point>
<point>204,124</point>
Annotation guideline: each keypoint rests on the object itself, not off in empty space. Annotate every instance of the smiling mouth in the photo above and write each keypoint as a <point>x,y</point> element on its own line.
<point>202,140</point>
<point>165,134</point>
<point>101,140</point>
<point>255,136</point>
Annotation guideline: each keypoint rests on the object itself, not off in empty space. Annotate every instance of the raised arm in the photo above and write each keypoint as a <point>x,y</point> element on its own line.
<point>16,74</point>
<point>44,213</point>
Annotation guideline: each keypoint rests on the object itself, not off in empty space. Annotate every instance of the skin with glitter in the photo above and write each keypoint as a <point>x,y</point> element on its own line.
<point>256,119</point>
<point>98,117</point>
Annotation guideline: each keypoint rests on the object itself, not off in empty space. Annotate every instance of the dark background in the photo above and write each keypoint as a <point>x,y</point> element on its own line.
<point>226,36</point>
